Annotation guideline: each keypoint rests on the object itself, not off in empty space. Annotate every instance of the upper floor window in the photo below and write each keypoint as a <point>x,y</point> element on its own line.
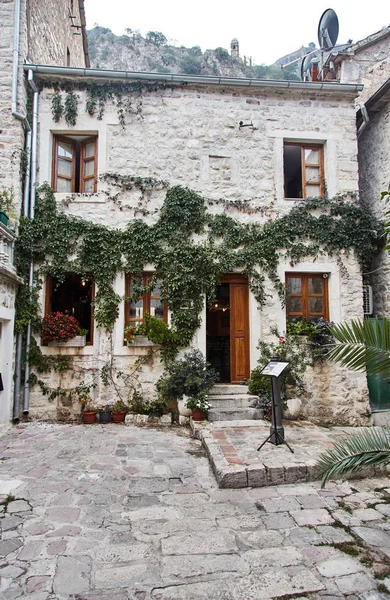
<point>144,295</point>
<point>307,296</point>
<point>303,170</point>
<point>75,163</point>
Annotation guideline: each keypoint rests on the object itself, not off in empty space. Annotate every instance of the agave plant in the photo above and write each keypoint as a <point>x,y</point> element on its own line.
<point>363,345</point>
<point>367,448</point>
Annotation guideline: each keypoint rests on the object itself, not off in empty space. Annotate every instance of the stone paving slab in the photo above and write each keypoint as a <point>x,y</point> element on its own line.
<point>232,448</point>
<point>86,524</point>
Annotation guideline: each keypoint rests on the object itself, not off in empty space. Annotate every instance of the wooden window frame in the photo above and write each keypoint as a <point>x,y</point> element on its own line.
<point>147,297</point>
<point>82,161</point>
<point>321,182</point>
<point>48,308</point>
<point>305,296</point>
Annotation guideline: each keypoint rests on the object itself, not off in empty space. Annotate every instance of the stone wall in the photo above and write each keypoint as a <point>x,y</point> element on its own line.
<point>12,135</point>
<point>192,137</point>
<point>50,33</point>
<point>370,66</point>
<point>374,161</point>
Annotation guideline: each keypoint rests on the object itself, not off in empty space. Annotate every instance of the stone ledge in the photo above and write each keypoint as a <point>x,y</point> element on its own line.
<point>277,466</point>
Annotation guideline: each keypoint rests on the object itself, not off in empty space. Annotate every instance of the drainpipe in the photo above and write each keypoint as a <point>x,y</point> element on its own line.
<point>33,179</point>
<point>27,128</point>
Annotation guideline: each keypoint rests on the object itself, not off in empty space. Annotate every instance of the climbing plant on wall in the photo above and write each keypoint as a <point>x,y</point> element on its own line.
<point>190,248</point>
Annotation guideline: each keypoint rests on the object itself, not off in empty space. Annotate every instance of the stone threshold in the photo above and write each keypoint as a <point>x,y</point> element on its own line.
<point>231,448</point>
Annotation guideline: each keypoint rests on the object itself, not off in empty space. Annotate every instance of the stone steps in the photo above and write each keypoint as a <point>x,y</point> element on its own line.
<point>232,403</point>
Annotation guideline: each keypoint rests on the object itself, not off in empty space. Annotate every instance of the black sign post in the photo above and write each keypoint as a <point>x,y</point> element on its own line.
<point>274,369</point>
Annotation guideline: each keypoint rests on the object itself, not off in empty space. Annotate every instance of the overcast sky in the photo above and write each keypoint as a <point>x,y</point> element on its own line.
<point>266,29</point>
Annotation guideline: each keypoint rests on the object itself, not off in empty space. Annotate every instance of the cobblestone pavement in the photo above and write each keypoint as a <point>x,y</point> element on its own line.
<point>109,512</point>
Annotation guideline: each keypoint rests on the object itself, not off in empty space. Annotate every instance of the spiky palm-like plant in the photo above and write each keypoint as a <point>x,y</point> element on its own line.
<point>363,345</point>
<point>367,448</point>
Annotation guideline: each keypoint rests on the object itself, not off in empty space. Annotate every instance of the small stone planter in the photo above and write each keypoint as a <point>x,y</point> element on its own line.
<point>141,340</point>
<point>76,342</point>
<point>182,407</point>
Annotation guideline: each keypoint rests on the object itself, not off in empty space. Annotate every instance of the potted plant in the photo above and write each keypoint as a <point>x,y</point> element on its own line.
<point>88,413</point>
<point>187,376</point>
<point>119,411</point>
<point>199,405</point>
<point>62,329</point>
<point>105,414</point>
<point>137,336</point>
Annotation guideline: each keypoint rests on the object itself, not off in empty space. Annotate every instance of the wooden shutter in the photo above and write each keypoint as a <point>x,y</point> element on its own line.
<point>239,332</point>
<point>64,165</point>
<point>88,165</point>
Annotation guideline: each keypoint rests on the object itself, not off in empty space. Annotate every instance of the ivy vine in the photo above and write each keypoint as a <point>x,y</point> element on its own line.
<point>127,97</point>
<point>190,248</point>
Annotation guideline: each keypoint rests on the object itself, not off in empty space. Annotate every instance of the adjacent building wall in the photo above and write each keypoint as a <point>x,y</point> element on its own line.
<point>54,33</point>
<point>192,137</point>
<point>374,161</point>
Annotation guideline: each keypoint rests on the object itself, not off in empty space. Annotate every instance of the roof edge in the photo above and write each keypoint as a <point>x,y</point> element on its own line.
<point>351,88</point>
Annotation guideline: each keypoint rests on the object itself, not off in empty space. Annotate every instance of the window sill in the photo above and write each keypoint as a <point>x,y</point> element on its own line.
<point>79,198</point>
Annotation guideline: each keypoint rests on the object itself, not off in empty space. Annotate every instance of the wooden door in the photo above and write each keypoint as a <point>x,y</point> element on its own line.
<point>239,330</point>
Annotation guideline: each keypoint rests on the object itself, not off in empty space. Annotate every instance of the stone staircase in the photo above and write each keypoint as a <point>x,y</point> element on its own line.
<point>232,403</point>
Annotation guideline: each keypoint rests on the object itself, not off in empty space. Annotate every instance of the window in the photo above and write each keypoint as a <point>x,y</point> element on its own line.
<point>73,294</point>
<point>307,296</point>
<point>144,295</point>
<point>303,170</point>
<point>75,163</point>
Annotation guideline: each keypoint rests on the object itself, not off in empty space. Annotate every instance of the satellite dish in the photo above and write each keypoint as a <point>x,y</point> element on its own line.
<point>328,29</point>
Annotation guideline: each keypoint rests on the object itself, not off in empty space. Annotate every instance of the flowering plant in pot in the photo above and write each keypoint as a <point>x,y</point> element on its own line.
<point>118,411</point>
<point>88,413</point>
<point>60,327</point>
<point>199,405</point>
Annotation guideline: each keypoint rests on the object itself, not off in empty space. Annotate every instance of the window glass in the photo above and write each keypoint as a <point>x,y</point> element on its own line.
<point>65,149</point>
<point>312,191</point>
<point>64,185</point>
<point>89,150</point>
<point>316,306</point>
<point>312,174</point>
<point>65,167</point>
<point>294,285</point>
<point>315,285</point>
<point>312,157</point>
<point>295,305</point>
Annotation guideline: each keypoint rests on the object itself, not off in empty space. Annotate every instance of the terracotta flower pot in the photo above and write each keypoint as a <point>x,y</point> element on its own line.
<point>89,416</point>
<point>119,417</point>
<point>198,415</point>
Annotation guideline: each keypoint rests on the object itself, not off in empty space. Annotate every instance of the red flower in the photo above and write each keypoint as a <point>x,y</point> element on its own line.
<point>58,327</point>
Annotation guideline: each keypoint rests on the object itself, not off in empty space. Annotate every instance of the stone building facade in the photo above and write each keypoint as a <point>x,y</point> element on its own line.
<point>194,134</point>
<point>33,31</point>
<point>368,62</point>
